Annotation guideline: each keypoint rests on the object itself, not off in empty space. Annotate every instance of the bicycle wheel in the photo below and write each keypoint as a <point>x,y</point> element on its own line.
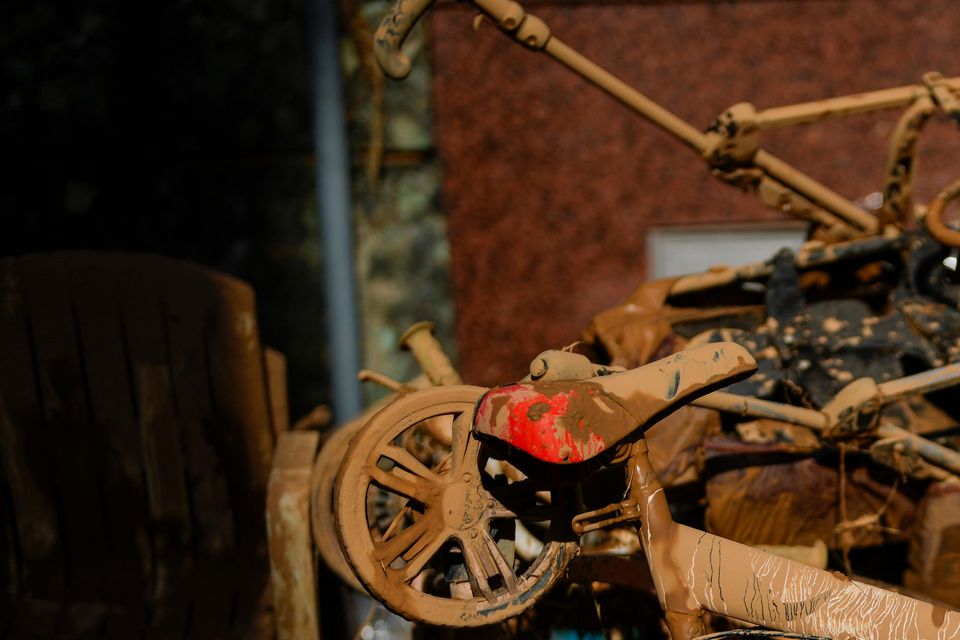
<point>440,549</point>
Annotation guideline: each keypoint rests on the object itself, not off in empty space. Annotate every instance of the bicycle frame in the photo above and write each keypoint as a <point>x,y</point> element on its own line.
<point>694,572</point>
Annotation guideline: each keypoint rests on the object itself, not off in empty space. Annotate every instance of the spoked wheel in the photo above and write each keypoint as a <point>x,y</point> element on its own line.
<point>440,549</point>
<point>325,470</point>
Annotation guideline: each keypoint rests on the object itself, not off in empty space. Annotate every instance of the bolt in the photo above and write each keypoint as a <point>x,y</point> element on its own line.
<point>538,368</point>
<point>490,504</point>
<point>467,477</point>
<point>803,365</point>
<point>473,533</point>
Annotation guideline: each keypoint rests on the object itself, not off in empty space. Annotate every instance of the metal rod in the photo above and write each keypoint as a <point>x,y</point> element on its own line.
<point>807,257</point>
<point>626,94</point>
<point>839,107</point>
<point>333,201</point>
<point>923,382</point>
<point>773,166</point>
<point>935,454</point>
<point>755,407</point>
<point>814,191</point>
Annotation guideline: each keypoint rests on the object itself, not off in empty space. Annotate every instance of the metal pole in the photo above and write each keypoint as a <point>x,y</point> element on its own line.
<point>333,200</point>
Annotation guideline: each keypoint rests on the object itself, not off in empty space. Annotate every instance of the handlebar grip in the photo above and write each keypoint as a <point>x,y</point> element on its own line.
<point>391,33</point>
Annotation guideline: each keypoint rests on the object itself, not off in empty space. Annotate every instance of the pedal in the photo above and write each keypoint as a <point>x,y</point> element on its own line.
<point>624,511</point>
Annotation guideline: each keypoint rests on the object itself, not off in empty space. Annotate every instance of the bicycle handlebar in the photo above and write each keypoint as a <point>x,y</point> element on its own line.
<point>392,32</point>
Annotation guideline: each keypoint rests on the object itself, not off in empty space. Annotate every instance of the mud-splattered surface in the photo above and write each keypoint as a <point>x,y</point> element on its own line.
<point>752,585</point>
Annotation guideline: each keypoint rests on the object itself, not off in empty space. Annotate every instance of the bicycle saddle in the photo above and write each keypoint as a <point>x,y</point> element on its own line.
<point>569,421</point>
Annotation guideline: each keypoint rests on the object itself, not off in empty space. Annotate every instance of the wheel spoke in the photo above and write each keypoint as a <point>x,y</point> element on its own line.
<point>404,484</point>
<point>416,535</point>
<point>408,461</point>
<point>463,458</point>
<point>419,555</point>
<point>397,519</point>
<point>484,561</point>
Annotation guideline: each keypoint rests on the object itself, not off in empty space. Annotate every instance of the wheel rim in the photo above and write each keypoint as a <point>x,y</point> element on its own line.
<point>443,555</point>
<point>325,470</point>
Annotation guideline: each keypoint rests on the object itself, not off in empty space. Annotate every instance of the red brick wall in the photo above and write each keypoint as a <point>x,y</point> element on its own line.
<point>550,186</point>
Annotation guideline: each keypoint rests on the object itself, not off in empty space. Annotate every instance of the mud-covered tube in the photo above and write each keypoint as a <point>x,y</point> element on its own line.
<point>391,33</point>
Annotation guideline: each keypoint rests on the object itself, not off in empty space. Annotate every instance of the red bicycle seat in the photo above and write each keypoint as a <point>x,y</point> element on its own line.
<point>569,421</point>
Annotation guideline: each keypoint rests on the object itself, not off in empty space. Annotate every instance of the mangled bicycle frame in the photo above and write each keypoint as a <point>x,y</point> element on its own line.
<point>557,429</point>
<point>571,421</point>
<point>731,145</point>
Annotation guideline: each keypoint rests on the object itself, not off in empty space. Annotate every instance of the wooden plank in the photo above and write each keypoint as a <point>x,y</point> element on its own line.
<point>238,383</point>
<point>164,467</point>
<point>238,393</point>
<point>35,619</point>
<point>83,620</point>
<point>129,565</point>
<point>275,364</point>
<point>168,460</point>
<point>187,305</point>
<point>189,298</point>
<point>9,573</point>
<point>129,621</point>
<point>114,426</point>
<point>255,619</point>
<point>293,578</point>
<point>25,444</point>
<point>75,452</point>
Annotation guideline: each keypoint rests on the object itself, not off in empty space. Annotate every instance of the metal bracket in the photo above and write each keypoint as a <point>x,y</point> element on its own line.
<point>734,137</point>
<point>625,511</point>
<point>943,94</point>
